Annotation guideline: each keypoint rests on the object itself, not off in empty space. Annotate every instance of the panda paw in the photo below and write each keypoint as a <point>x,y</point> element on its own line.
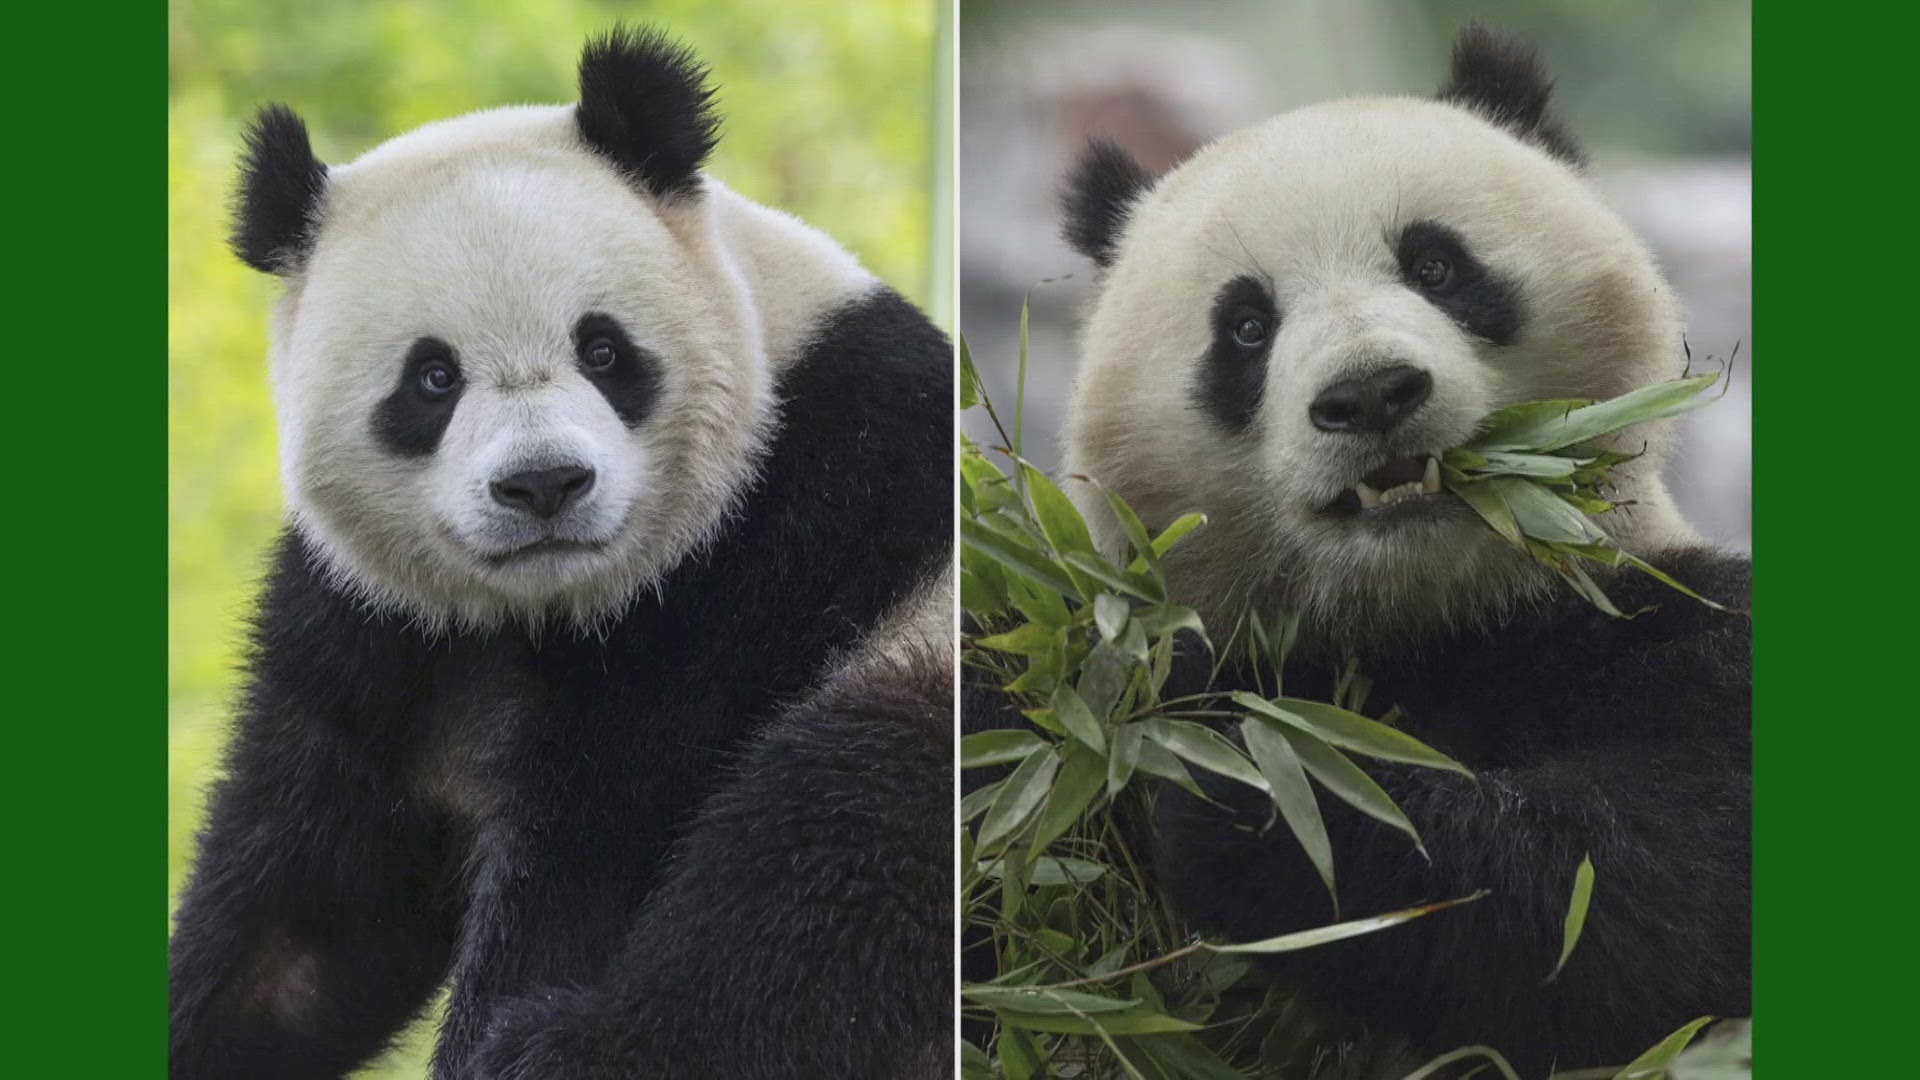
<point>558,1035</point>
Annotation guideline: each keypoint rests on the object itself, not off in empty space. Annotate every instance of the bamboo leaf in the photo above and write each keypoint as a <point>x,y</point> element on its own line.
<point>1543,515</point>
<point>1176,532</point>
<point>1487,501</point>
<point>1462,459</point>
<point>1576,914</point>
<point>1113,1023</point>
<point>1157,760</point>
<point>1492,1056</point>
<point>1020,794</point>
<point>1122,758</point>
<point>1022,561</point>
<point>976,801</point>
<point>1079,721</point>
<point>1293,796</point>
<point>1584,584</point>
<point>1027,639</point>
<point>1045,608</point>
<point>1080,778</point>
<point>984,748</point>
<point>973,1063</point>
<point>1051,870</point>
<point>1059,519</point>
<point>969,377</point>
<point>1021,1055</point>
<point>1351,785</point>
<point>1206,748</point>
<point>1136,584</point>
<point>1515,464</point>
<point>1186,1057</point>
<point>1162,620</point>
<point>1135,529</point>
<point>1110,614</point>
<point>1655,402</point>
<point>1321,935</point>
<point>1103,678</point>
<point>1133,642</point>
<point>1043,1000</point>
<point>978,592</point>
<point>1498,428</point>
<point>1654,1062</point>
<point>1349,730</point>
<point>1650,570</point>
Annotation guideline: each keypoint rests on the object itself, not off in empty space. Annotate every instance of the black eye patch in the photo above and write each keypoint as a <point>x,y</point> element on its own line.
<point>627,375</point>
<point>409,421</point>
<point>1233,376</point>
<point>1434,262</point>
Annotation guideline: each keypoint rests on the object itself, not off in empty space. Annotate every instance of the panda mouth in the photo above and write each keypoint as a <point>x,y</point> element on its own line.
<point>539,548</point>
<point>1397,481</point>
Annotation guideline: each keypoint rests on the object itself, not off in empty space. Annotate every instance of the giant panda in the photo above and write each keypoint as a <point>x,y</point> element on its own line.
<point>1286,328</point>
<point>603,672</point>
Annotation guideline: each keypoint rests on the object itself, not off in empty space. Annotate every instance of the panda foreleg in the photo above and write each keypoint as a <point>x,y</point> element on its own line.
<point>317,919</point>
<point>1666,935</point>
<point>804,926</point>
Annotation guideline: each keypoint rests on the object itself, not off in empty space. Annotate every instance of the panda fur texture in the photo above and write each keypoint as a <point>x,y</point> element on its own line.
<point>1351,287</point>
<point>603,672</point>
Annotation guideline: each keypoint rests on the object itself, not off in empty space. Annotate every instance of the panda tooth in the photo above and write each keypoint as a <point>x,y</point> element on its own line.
<point>1431,482</point>
<point>1369,498</point>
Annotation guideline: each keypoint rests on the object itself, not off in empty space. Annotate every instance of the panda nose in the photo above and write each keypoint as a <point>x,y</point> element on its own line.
<point>543,492</point>
<point>1373,403</point>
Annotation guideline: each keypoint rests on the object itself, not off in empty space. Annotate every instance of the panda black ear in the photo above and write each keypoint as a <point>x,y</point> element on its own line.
<point>1099,192</point>
<point>277,204</point>
<point>1501,79</point>
<point>645,105</point>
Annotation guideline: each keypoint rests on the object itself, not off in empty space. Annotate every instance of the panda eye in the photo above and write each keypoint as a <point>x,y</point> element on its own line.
<point>1251,331</point>
<point>1433,273</point>
<point>601,354</point>
<point>438,378</point>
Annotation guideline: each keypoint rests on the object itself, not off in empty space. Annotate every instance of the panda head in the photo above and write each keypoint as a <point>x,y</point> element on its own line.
<point>516,376</point>
<point>1292,323</point>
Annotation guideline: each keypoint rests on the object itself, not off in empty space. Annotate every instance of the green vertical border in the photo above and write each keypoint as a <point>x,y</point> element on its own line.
<point>84,395</point>
<point>1837,425</point>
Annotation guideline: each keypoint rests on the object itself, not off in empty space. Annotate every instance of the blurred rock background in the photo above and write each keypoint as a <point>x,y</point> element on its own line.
<point>1659,93</point>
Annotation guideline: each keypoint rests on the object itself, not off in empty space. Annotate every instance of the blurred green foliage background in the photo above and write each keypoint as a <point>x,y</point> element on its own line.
<point>830,113</point>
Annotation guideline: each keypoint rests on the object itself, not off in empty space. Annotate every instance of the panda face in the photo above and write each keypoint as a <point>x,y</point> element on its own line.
<point>510,385</point>
<point>1294,323</point>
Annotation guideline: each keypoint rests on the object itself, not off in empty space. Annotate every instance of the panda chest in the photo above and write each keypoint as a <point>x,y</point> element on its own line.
<point>482,703</point>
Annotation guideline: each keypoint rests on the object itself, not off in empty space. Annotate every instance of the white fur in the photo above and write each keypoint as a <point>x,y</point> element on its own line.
<point>495,232</point>
<point>1310,201</point>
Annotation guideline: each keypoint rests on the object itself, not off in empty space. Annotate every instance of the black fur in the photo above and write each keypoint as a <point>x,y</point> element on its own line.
<point>1233,377</point>
<point>1623,740</point>
<point>645,106</point>
<point>860,769</point>
<point>498,810</point>
<point>1502,80</point>
<point>277,204</point>
<point>1482,302</point>
<point>410,420</point>
<point>632,382</point>
<point>1101,189</point>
